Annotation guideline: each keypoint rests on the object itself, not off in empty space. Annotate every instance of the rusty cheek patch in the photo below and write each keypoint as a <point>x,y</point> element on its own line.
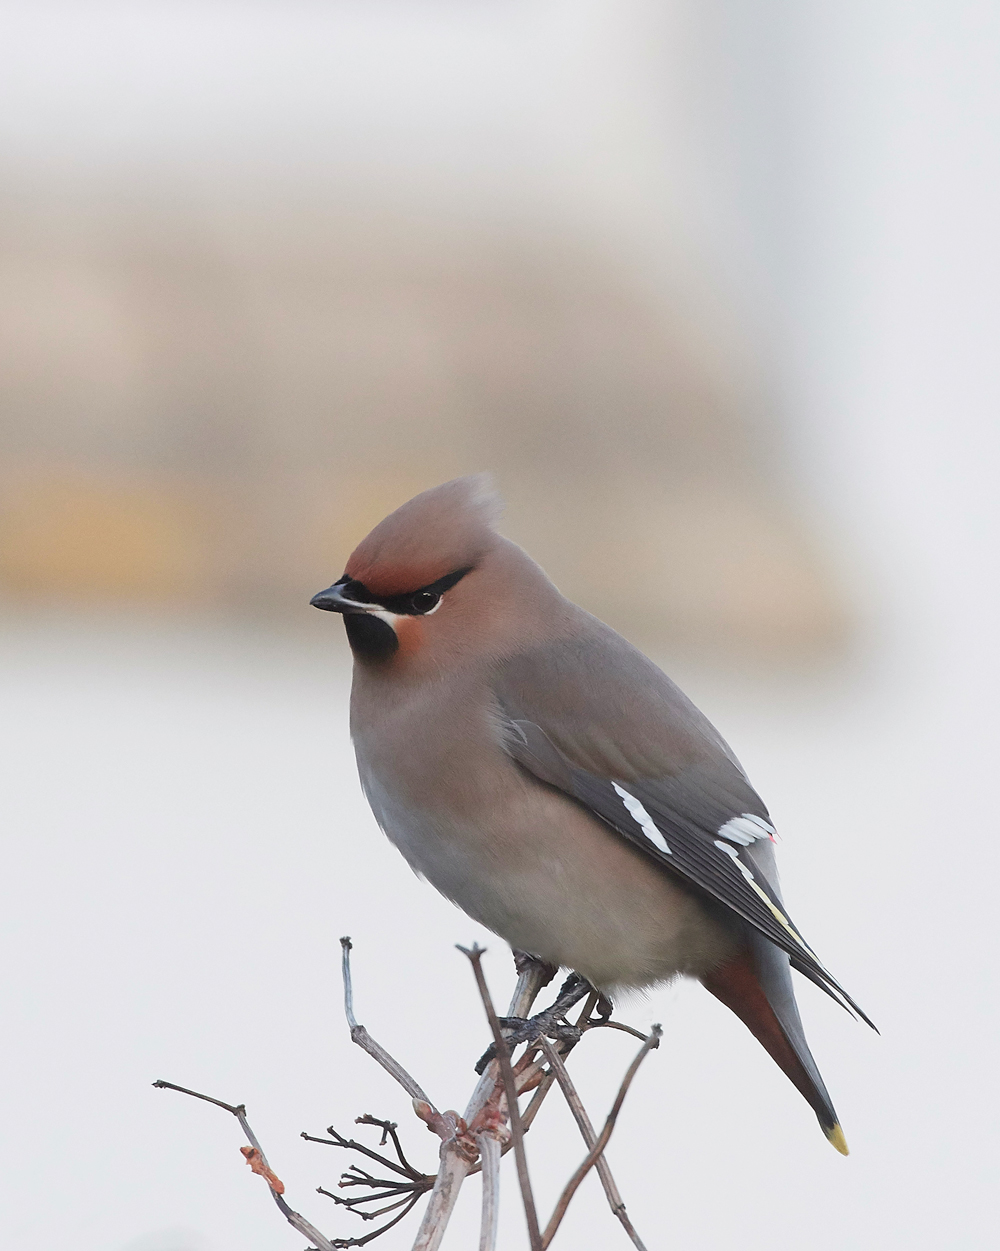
<point>410,632</point>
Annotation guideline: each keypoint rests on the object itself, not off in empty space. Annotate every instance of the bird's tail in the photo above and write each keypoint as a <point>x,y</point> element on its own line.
<point>757,985</point>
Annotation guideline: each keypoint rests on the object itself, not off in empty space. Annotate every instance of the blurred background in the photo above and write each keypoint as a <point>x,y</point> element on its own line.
<point>710,288</point>
<point>267,271</point>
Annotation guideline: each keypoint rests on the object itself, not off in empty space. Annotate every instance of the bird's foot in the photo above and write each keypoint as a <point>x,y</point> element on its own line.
<point>530,1029</point>
<point>551,1023</point>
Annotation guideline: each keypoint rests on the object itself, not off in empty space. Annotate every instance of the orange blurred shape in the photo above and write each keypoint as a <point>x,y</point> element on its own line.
<point>66,532</point>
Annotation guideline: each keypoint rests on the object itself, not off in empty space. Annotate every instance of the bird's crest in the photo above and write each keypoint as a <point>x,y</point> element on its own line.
<point>441,530</point>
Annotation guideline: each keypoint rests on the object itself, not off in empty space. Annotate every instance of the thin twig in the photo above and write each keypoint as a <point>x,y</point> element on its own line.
<point>475,955</point>
<point>534,1107</point>
<point>238,1110</point>
<point>368,1216</point>
<point>388,1131</point>
<point>626,1029</point>
<point>349,1144</point>
<point>572,1185</point>
<point>615,1201</point>
<point>376,1233</point>
<point>404,1189</point>
<point>352,1204</point>
<point>365,1041</point>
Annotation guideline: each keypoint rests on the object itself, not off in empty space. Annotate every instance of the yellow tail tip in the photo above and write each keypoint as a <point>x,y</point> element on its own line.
<point>836,1136</point>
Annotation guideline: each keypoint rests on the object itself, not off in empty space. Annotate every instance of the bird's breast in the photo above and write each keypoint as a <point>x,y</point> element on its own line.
<point>521,858</point>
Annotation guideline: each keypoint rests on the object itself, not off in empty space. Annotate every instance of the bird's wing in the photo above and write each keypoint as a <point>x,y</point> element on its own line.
<point>594,718</point>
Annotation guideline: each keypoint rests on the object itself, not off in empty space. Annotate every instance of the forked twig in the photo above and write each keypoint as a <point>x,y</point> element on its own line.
<point>475,954</point>
<point>594,1153</point>
<point>365,1041</point>
<point>476,1141</point>
<point>405,1204</point>
<point>388,1129</point>
<point>404,1168</point>
<point>260,1165</point>
<point>615,1201</point>
<point>404,1189</point>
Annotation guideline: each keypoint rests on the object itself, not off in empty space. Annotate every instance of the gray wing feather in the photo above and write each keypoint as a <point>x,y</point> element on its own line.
<point>596,719</point>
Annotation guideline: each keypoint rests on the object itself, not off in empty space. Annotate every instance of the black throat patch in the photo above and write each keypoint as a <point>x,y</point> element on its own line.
<point>370,637</point>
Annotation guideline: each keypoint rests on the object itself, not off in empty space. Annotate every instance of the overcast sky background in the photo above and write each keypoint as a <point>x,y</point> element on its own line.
<point>186,839</point>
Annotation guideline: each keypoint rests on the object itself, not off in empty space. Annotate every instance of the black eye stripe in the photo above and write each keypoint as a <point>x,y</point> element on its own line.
<point>403,604</point>
<point>356,591</point>
<point>447,582</point>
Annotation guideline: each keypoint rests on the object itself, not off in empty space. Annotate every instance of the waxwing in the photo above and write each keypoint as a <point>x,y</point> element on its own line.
<point>550,780</point>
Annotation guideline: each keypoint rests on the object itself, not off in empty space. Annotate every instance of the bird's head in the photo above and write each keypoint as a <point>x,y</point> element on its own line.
<point>427,581</point>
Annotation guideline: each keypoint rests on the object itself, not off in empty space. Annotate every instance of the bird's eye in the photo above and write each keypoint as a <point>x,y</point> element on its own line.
<point>424,601</point>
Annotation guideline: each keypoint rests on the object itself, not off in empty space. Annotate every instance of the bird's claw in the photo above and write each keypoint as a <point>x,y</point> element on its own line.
<point>551,1023</point>
<point>530,1030</point>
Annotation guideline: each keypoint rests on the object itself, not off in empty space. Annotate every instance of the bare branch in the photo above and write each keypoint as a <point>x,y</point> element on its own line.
<point>236,1109</point>
<point>258,1162</point>
<point>572,1185</point>
<point>365,1041</point>
<point>453,1171</point>
<point>477,1141</point>
<point>615,1201</point>
<point>533,975</point>
<point>489,1153</point>
<point>475,955</point>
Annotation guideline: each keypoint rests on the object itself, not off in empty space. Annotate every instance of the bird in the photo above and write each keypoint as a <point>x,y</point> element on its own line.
<point>548,778</point>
